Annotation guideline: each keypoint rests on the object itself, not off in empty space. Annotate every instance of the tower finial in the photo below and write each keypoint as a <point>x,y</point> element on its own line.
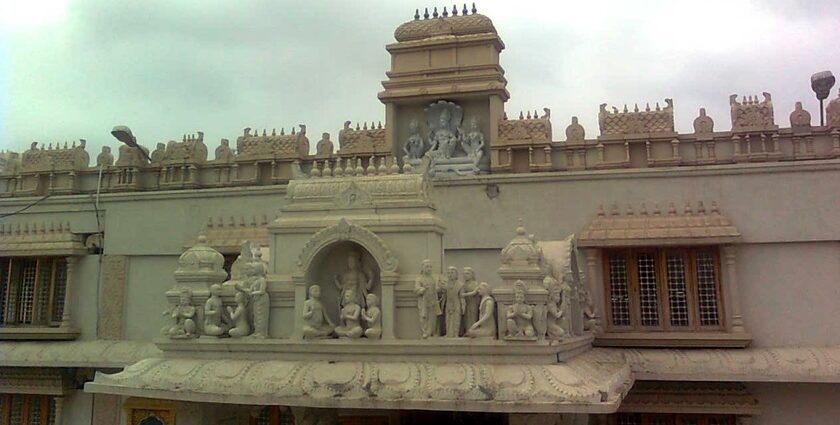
<point>435,13</point>
<point>426,13</point>
<point>474,10</point>
<point>416,14</point>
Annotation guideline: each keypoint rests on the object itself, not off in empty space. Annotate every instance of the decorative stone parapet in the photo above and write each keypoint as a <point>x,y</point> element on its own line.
<point>256,147</point>
<point>750,114</point>
<point>529,135</point>
<point>647,121</point>
<point>362,140</point>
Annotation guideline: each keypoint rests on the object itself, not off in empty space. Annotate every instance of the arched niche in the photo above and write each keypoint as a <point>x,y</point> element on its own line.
<point>331,261</point>
<point>347,231</point>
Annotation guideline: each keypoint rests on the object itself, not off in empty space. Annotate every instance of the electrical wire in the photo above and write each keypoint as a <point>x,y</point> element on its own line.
<point>25,208</point>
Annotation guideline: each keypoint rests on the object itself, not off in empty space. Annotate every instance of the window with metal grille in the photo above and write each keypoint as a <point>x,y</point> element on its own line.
<point>669,419</point>
<point>27,409</point>
<point>663,289</point>
<point>619,292</point>
<point>273,415</point>
<point>32,291</point>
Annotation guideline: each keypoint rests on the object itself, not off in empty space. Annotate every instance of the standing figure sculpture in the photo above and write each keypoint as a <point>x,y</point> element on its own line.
<point>414,146</point>
<point>254,287</point>
<point>428,304</point>
<point>354,279</point>
<point>473,143</point>
<point>213,313</point>
<point>372,316</point>
<point>183,318</point>
<point>520,316</point>
<point>317,324</point>
<point>349,317</point>
<point>444,120</point>
<point>239,317</point>
<point>555,312</point>
<point>471,298</point>
<point>485,326</point>
<point>453,291</point>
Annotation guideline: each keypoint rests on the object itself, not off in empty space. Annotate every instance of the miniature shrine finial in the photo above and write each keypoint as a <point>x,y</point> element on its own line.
<point>454,10</point>
<point>445,12</point>
<point>416,14</point>
<point>426,13</point>
<point>435,13</point>
<point>464,10</point>
<point>474,10</point>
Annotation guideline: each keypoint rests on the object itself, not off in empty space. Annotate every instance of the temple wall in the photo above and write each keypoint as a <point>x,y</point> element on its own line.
<point>784,404</point>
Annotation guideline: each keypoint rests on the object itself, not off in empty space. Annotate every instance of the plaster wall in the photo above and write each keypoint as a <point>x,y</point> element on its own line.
<point>78,408</point>
<point>785,404</point>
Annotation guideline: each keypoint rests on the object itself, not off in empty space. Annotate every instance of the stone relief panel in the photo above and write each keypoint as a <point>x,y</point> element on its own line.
<point>750,114</point>
<point>251,147</point>
<point>57,158</point>
<point>656,120</point>
<point>112,296</point>
<point>362,140</point>
<point>528,129</point>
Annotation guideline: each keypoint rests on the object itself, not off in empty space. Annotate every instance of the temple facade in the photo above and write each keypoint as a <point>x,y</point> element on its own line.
<point>451,263</point>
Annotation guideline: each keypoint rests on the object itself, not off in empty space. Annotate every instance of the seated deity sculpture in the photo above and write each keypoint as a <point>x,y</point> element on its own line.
<point>520,316</point>
<point>372,317</point>
<point>555,311</point>
<point>105,158</point>
<point>213,313</point>
<point>473,143</point>
<point>485,326</point>
<point>325,145</point>
<point>452,295</point>
<point>317,324</point>
<point>224,153</point>
<point>350,317</point>
<point>354,279</point>
<point>428,304</point>
<point>414,146</point>
<point>239,317</point>
<point>183,318</point>
<point>442,138</point>
<point>472,299</point>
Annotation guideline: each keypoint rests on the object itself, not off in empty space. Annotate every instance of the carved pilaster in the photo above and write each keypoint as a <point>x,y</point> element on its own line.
<point>66,318</point>
<point>59,408</point>
<point>596,288</point>
<point>736,322</point>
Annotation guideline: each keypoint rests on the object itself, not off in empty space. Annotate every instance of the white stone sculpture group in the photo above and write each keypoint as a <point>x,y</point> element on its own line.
<point>359,313</point>
<point>452,150</point>
<point>453,307</point>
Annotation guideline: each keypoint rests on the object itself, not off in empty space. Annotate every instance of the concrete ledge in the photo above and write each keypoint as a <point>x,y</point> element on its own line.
<point>38,333</point>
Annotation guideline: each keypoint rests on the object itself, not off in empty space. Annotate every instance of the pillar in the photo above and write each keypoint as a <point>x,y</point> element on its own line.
<point>68,293</point>
<point>59,408</point>
<point>596,288</point>
<point>388,306</point>
<point>300,298</point>
<point>736,322</point>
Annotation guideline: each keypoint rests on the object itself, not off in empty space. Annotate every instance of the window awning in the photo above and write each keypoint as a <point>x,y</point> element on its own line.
<point>588,383</point>
<point>40,239</point>
<point>693,226</point>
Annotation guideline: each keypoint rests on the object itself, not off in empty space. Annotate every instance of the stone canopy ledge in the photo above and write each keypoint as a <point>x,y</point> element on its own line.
<point>589,383</point>
<point>96,353</point>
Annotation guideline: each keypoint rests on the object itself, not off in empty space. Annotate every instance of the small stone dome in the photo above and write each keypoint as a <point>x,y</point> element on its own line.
<point>201,257</point>
<point>420,29</point>
<point>522,250</point>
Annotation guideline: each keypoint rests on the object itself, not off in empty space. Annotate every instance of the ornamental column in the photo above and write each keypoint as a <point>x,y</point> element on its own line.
<point>68,292</point>
<point>388,304</point>
<point>736,321</point>
<point>596,288</point>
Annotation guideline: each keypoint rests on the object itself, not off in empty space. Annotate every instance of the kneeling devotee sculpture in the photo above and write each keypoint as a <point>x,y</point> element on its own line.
<point>213,323</point>
<point>183,318</point>
<point>350,317</point>
<point>239,316</point>
<point>428,304</point>
<point>555,308</point>
<point>317,323</point>
<point>520,316</point>
<point>485,326</point>
<point>372,316</point>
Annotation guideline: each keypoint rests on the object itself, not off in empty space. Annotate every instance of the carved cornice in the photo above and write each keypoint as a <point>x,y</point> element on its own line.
<point>97,353</point>
<point>584,384</point>
<point>346,231</point>
<point>47,381</point>
<point>694,225</point>
<point>227,234</point>
<point>369,190</point>
<point>30,239</point>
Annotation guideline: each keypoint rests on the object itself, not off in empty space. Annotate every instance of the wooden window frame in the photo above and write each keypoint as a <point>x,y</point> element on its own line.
<point>689,255</point>
<point>13,284</point>
<point>6,400</point>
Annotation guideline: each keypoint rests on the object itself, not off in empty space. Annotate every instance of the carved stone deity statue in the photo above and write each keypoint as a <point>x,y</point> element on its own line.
<point>428,304</point>
<point>473,143</point>
<point>349,317</point>
<point>317,324</point>
<point>485,326</point>
<point>239,317</point>
<point>105,158</point>
<point>520,316</point>
<point>159,154</point>
<point>415,146</point>
<point>83,156</point>
<point>224,153</point>
<point>472,299</point>
<point>355,279</point>
<point>444,119</point>
<point>372,317</point>
<point>453,300</point>
<point>325,145</point>
<point>555,328</point>
<point>214,324</point>
<point>254,287</point>
<point>183,318</point>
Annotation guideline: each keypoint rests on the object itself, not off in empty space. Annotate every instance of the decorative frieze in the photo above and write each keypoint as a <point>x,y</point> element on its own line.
<point>647,121</point>
<point>752,115</point>
<point>362,140</point>
<point>112,297</point>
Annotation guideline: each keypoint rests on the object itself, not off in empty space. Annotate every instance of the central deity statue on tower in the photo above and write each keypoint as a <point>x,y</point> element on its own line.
<point>444,132</point>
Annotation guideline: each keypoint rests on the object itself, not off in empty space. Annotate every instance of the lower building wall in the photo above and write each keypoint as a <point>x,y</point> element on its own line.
<point>786,404</point>
<point>77,408</point>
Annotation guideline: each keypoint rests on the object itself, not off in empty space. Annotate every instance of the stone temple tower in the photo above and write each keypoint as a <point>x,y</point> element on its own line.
<point>449,56</point>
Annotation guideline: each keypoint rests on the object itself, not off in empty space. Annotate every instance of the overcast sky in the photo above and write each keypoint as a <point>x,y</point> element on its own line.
<point>73,69</point>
